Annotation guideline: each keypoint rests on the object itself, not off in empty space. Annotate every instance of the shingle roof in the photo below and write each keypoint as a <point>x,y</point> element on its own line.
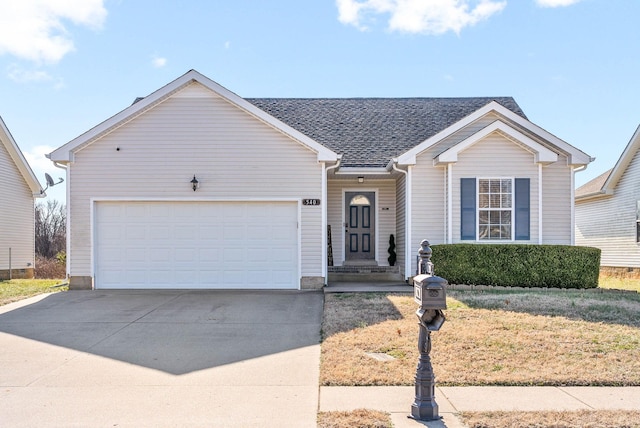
<point>594,185</point>
<point>368,132</point>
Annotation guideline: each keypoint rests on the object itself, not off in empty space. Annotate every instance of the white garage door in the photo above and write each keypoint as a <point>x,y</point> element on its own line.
<point>196,245</point>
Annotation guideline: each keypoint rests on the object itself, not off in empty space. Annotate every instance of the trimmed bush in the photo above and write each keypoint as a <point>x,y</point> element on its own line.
<point>556,266</point>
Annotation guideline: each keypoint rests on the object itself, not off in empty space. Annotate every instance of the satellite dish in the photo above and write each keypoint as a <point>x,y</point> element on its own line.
<point>50,182</point>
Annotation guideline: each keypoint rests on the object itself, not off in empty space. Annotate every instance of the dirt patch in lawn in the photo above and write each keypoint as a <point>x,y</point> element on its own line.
<point>489,338</point>
<point>578,419</point>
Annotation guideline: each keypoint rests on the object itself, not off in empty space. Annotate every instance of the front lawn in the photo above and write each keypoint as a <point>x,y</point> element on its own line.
<point>510,337</point>
<point>18,289</point>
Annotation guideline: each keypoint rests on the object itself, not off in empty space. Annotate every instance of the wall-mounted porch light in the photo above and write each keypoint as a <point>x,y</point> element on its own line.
<point>195,183</point>
<point>360,179</point>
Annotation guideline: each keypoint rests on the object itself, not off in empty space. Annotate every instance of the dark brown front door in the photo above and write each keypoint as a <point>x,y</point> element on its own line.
<point>360,225</point>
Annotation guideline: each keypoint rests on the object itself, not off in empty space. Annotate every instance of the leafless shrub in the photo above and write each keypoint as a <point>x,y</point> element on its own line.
<point>49,268</point>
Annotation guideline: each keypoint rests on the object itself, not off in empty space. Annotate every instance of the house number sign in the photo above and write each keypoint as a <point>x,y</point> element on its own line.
<point>311,202</point>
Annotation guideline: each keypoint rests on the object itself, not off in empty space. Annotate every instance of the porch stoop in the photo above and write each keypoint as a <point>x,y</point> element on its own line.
<point>365,278</point>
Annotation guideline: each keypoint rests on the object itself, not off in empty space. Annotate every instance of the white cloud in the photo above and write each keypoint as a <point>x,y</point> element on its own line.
<point>20,75</point>
<point>227,45</point>
<point>419,16</point>
<point>158,62</point>
<point>34,29</point>
<point>556,3</point>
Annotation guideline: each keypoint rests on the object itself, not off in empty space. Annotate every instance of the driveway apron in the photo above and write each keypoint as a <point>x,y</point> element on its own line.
<point>161,358</point>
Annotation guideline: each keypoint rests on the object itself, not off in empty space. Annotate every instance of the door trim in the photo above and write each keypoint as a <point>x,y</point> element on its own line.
<point>375,191</point>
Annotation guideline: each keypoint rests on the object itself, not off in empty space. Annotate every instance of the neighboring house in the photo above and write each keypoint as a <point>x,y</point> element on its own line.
<point>608,212</point>
<point>18,189</point>
<point>272,175</point>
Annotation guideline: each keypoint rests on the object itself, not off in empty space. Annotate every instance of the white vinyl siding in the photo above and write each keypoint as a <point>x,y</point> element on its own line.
<point>428,204</point>
<point>233,155</point>
<point>496,157</point>
<point>401,221</point>
<point>556,203</point>
<point>17,226</point>
<point>385,215</point>
<point>609,223</point>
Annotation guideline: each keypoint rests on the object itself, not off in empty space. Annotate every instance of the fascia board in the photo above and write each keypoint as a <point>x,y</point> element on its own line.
<point>593,195</point>
<point>542,154</point>
<point>20,161</point>
<point>623,162</point>
<point>64,153</point>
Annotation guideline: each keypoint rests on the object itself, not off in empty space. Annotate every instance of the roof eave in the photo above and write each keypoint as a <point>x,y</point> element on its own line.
<point>20,161</point>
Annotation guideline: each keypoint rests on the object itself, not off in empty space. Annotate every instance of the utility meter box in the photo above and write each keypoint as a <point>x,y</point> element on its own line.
<point>430,291</point>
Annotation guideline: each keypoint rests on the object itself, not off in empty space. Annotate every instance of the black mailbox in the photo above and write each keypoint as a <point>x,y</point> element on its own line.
<point>430,291</point>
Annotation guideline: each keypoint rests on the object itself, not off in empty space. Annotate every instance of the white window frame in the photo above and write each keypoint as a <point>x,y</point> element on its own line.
<point>512,209</point>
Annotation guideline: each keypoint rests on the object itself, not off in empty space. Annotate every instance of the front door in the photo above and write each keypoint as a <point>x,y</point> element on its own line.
<point>360,226</point>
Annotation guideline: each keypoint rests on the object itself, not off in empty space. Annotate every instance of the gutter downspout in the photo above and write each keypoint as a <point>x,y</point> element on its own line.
<point>68,212</point>
<point>325,264</point>
<point>407,214</point>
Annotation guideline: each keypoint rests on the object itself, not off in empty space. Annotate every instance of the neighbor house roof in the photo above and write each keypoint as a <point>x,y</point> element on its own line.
<point>594,186</point>
<point>369,132</point>
<point>19,160</point>
<point>606,183</point>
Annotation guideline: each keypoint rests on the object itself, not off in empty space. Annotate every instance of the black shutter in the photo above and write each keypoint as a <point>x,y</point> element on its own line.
<point>468,209</point>
<point>522,208</point>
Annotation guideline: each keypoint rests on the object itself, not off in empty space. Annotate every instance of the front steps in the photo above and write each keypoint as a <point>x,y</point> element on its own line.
<point>365,273</point>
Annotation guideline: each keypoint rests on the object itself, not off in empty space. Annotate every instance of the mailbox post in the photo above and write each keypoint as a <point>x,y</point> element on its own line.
<point>430,294</point>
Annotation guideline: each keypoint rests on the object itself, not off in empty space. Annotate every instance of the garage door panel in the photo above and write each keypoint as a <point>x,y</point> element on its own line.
<point>196,245</point>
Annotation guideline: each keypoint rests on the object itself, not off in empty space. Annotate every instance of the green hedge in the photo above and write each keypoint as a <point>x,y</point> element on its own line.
<point>558,266</point>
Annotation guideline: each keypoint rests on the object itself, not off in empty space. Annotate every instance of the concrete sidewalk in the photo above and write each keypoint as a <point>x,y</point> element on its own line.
<point>397,400</point>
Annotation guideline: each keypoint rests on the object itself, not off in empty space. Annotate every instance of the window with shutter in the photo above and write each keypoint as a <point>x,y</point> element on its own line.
<point>497,209</point>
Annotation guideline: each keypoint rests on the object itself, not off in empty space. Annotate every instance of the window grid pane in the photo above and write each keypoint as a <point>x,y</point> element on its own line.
<point>495,201</point>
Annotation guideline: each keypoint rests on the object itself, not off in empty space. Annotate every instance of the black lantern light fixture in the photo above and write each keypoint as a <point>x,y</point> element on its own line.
<point>195,183</point>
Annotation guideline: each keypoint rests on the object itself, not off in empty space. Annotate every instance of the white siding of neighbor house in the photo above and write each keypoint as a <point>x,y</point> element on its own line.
<point>496,157</point>
<point>386,218</point>
<point>233,155</point>
<point>609,223</point>
<point>17,226</point>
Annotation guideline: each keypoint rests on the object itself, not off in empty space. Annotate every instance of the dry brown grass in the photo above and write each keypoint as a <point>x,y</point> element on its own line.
<point>360,418</point>
<point>490,338</point>
<point>579,419</point>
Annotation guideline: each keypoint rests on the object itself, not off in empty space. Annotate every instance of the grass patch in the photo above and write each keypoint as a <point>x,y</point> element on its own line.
<point>362,418</point>
<point>614,283</point>
<point>566,419</point>
<point>490,338</point>
<point>18,289</point>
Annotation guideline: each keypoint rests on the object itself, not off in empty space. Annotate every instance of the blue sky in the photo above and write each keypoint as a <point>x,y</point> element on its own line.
<point>572,65</point>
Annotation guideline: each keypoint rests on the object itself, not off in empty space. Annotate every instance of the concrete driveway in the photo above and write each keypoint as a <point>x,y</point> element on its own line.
<point>161,359</point>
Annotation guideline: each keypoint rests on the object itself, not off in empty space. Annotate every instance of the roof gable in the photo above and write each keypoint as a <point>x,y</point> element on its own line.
<point>575,156</point>
<point>65,153</point>
<point>19,160</point>
<point>542,154</point>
